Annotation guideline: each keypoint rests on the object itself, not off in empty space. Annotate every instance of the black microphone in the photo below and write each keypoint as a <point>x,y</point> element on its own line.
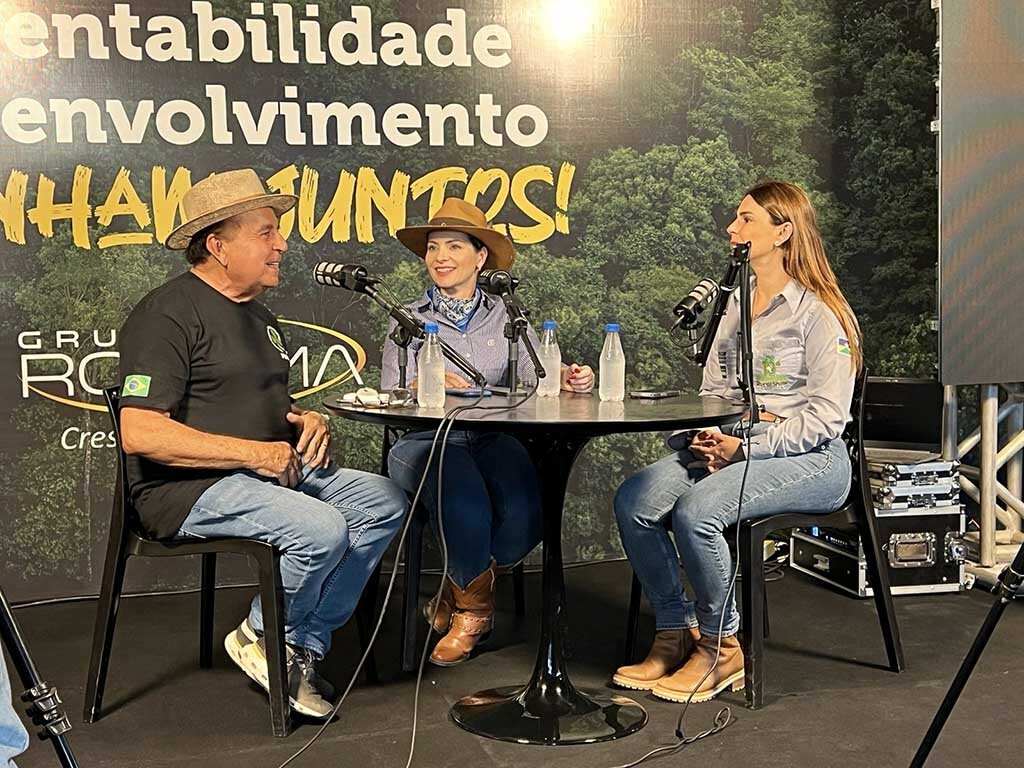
<point>696,301</point>
<point>352,277</point>
<point>497,281</point>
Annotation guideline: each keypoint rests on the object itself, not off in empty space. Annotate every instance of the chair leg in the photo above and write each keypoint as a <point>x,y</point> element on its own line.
<point>272,603</point>
<point>519,590</point>
<point>103,632</point>
<point>207,594</point>
<point>366,615</point>
<point>568,647</point>
<point>764,602</point>
<point>632,621</point>
<point>752,595</point>
<point>878,576</point>
<point>411,594</point>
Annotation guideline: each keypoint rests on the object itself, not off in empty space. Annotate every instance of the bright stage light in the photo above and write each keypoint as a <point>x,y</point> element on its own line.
<point>570,20</point>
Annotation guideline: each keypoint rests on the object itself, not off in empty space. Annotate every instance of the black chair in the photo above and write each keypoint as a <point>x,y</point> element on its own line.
<point>127,539</point>
<point>413,559</point>
<point>857,511</point>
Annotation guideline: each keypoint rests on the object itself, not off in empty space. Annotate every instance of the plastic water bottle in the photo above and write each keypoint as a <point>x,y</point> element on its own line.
<point>612,378</point>
<point>551,358</point>
<point>430,362</point>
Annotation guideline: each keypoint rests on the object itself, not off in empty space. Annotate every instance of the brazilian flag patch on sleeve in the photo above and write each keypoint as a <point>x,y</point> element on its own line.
<point>136,385</point>
<point>843,346</point>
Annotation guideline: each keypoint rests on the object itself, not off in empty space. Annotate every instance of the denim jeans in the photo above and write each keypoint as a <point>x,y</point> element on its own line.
<point>491,496</point>
<point>700,507</point>
<point>331,530</point>
<point>13,738</point>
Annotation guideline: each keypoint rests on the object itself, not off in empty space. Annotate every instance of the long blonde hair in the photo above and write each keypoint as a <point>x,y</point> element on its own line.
<point>803,256</point>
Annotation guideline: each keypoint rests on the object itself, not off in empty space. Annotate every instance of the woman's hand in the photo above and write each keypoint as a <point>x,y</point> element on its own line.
<point>577,378</point>
<point>717,449</point>
<point>454,381</point>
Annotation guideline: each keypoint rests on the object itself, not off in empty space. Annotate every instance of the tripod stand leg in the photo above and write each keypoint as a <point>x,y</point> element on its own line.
<point>1009,582</point>
<point>48,709</point>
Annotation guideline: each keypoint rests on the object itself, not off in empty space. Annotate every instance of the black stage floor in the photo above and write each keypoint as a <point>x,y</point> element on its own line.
<point>831,702</point>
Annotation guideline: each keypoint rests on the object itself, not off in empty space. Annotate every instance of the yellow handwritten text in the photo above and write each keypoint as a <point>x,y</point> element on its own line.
<point>343,204</point>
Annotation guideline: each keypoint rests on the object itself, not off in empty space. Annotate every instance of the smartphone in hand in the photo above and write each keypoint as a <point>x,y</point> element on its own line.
<point>680,441</point>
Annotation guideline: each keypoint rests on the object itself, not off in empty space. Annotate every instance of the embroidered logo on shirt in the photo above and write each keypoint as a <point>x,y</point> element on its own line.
<point>843,346</point>
<point>770,372</point>
<point>136,385</point>
<point>277,341</point>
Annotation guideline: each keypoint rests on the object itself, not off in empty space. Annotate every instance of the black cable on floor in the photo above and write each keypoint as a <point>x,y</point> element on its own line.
<point>383,611</point>
<point>444,550</point>
<point>723,717</point>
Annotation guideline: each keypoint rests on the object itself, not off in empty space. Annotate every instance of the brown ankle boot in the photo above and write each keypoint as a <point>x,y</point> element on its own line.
<point>670,649</point>
<point>728,672</point>
<point>442,619</point>
<point>472,620</point>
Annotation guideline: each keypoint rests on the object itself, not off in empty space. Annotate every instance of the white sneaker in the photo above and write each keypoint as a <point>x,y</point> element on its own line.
<point>236,641</point>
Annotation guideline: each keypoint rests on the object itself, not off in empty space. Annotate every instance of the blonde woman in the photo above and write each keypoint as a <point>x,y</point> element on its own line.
<point>807,352</point>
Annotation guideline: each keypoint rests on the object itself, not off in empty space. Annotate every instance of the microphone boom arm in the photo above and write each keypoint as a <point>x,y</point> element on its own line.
<point>412,328</point>
<point>737,275</point>
<point>725,290</point>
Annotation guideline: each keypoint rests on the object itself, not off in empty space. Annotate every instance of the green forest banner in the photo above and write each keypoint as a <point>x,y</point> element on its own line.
<point>612,138</point>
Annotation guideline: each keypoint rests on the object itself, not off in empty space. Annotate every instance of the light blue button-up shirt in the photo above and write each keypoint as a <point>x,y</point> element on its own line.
<point>482,343</point>
<point>803,370</point>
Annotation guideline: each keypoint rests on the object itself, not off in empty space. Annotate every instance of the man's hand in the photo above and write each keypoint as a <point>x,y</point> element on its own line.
<point>314,438</point>
<point>717,449</point>
<point>577,378</point>
<point>280,461</point>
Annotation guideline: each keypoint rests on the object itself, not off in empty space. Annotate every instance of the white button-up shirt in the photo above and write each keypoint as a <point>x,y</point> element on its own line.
<point>803,370</point>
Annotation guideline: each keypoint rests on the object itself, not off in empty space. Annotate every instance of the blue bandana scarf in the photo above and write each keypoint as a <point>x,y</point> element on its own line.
<point>456,311</point>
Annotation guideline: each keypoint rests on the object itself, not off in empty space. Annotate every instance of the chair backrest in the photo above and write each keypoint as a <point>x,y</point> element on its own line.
<point>853,436</point>
<point>123,515</point>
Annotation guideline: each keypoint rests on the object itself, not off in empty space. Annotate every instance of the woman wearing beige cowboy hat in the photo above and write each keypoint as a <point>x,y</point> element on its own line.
<point>492,513</point>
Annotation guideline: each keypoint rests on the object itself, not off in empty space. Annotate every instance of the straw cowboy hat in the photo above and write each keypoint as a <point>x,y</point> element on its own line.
<point>456,215</point>
<point>220,196</point>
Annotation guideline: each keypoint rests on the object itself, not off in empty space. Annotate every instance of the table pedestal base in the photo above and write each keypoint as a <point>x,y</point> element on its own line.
<point>527,716</point>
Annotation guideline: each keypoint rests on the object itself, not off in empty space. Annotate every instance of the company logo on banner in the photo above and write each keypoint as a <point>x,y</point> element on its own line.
<point>46,362</point>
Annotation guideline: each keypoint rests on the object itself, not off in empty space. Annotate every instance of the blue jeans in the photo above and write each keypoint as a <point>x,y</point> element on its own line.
<point>13,738</point>
<point>331,530</point>
<point>491,496</point>
<point>701,507</point>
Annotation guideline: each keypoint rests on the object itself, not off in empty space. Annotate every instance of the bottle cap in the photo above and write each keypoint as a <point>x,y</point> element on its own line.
<point>430,327</point>
<point>550,325</point>
<point>612,328</point>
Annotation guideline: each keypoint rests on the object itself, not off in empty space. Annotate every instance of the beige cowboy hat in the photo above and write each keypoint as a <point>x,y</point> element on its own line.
<point>220,196</point>
<point>456,215</point>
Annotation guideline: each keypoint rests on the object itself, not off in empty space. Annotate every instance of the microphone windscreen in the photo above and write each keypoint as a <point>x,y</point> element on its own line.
<point>328,273</point>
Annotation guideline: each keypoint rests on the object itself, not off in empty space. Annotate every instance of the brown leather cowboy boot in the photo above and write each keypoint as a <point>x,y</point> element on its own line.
<point>728,672</point>
<point>442,619</point>
<point>472,620</point>
<point>670,649</point>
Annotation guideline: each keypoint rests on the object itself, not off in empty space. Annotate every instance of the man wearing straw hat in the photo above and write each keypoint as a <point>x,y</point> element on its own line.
<point>216,447</point>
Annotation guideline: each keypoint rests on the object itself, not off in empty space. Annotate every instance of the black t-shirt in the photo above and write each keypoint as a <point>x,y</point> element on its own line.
<point>214,364</point>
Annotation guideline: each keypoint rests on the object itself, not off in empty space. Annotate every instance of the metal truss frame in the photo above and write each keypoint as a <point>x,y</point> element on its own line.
<point>1001,505</point>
